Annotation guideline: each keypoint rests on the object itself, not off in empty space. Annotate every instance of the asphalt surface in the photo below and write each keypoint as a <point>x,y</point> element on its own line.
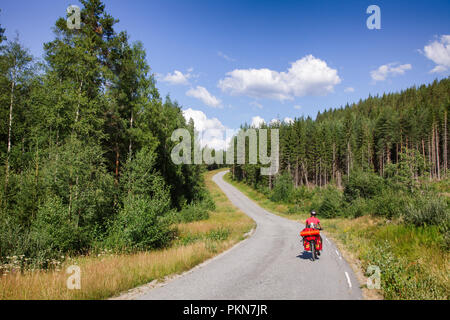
<point>271,264</point>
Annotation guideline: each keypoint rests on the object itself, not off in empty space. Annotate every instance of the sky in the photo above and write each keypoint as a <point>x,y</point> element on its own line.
<point>233,62</point>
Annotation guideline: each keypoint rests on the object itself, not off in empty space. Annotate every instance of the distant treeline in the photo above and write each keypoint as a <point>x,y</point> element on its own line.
<point>368,135</point>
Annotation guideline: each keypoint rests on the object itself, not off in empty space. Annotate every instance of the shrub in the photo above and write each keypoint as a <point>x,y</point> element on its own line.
<point>141,224</point>
<point>56,230</point>
<point>283,188</point>
<point>359,207</point>
<point>427,210</point>
<point>300,194</point>
<point>390,203</point>
<point>15,240</point>
<point>362,184</point>
<point>331,205</point>
<point>193,212</point>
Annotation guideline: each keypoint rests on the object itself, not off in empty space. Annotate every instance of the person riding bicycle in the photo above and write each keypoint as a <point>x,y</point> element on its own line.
<point>313,222</point>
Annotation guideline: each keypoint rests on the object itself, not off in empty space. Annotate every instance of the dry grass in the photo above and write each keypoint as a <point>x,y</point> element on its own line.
<point>110,274</point>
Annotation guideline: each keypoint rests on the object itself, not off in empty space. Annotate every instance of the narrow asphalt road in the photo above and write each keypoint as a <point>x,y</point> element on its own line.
<point>270,264</point>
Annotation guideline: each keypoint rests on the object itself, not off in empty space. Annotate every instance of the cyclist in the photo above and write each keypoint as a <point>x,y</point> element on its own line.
<point>313,222</point>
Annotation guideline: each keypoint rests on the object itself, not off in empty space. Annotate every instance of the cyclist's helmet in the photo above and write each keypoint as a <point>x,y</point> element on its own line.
<point>313,213</point>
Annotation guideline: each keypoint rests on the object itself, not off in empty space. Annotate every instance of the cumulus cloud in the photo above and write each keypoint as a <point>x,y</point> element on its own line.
<point>202,94</point>
<point>288,120</point>
<point>349,89</point>
<point>439,53</point>
<point>212,132</point>
<point>177,77</point>
<point>306,76</point>
<point>390,69</point>
<point>257,121</point>
<point>274,122</point>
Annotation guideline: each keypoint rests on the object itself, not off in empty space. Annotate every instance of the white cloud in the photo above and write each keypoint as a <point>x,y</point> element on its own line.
<point>439,53</point>
<point>349,89</point>
<point>288,120</point>
<point>223,55</point>
<point>212,132</point>
<point>274,122</point>
<point>307,76</point>
<point>390,69</point>
<point>177,77</point>
<point>297,107</point>
<point>202,94</point>
<point>257,121</point>
<point>256,104</point>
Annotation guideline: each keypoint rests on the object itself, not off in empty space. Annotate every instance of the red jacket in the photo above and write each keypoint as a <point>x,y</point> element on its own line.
<point>312,220</point>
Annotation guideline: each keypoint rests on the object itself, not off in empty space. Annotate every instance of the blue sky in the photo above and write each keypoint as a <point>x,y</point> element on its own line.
<point>237,60</point>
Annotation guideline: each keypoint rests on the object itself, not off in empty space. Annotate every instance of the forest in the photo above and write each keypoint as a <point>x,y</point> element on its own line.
<point>86,147</point>
<point>385,155</point>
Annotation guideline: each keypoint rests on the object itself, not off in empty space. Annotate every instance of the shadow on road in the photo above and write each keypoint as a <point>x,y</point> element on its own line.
<point>305,255</point>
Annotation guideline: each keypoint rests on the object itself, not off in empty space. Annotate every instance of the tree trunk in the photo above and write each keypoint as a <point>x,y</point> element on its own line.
<point>445,144</point>
<point>130,146</point>
<point>429,158</point>
<point>11,106</point>
<point>334,162</point>
<point>438,169</point>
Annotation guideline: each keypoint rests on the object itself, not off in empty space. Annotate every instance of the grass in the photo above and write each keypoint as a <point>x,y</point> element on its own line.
<point>412,260</point>
<point>107,275</point>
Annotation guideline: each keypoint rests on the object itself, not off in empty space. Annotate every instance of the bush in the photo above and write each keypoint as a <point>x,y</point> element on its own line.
<point>15,240</point>
<point>359,207</point>
<point>283,188</point>
<point>362,184</point>
<point>141,224</point>
<point>193,212</point>
<point>390,203</point>
<point>331,205</point>
<point>427,210</point>
<point>54,230</point>
<point>300,194</point>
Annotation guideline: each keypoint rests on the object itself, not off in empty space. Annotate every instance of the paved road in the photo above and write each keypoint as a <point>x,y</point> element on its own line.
<point>270,264</point>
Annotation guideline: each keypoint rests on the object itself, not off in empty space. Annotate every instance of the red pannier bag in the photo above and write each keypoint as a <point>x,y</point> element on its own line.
<point>309,234</point>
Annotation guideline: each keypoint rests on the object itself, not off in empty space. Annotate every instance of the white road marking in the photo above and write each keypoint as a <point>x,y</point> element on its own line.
<point>327,240</point>
<point>348,279</point>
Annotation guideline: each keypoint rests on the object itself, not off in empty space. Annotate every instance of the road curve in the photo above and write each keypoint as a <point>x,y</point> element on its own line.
<point>269,265</point>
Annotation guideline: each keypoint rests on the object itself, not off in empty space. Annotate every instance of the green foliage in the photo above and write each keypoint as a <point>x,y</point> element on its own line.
<point>55,230</point>
<point>218,234</point>
<point>283,188</point>
<point>362,184</point>
<point>359,207</point>
<point>331,205</point>
<point>428,211</point>
<point>390,203</point>
<point>87,151</point>
<point>139,225</point>
<point>402,280</point>
<point>192,212</point>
